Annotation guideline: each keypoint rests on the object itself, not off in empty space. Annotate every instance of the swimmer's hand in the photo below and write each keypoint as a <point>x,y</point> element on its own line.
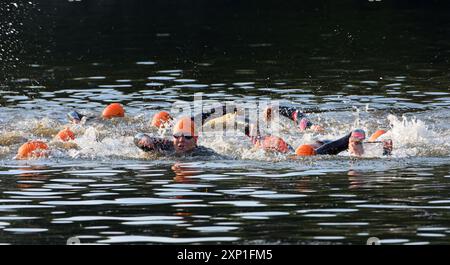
<point>144,142</point>
<point>218,123</point>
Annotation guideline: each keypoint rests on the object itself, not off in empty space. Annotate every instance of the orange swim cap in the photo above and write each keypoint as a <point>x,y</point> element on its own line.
<point>305,150</point>
<point>32,148</point>
<point>113,110</point>
<point>66,135</point>
<point>376,134</point>
<point>275,143</point>
<point>160,118</point>
<point>185,126</point>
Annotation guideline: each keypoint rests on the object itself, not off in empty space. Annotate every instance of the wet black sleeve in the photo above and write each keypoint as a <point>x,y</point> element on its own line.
<point>334,147</point>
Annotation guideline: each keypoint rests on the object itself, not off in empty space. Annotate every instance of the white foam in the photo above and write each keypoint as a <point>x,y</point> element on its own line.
<point>412,137</point>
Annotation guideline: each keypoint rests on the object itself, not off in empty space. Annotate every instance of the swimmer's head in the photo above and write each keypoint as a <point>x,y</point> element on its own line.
<point>75,117</point>
<point>113,110</point>
<point>359,134</point>
<point>305,150</point>
<point>184,135</point>
<point>160,119</point>
<point>355,144</point>
<point>32,149</point>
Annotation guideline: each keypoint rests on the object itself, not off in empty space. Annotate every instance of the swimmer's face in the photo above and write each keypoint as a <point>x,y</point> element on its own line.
<point>355,147</point>
<point>184,143</point>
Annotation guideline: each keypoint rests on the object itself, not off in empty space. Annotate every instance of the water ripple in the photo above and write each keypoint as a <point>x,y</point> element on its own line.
<point>123,201</point>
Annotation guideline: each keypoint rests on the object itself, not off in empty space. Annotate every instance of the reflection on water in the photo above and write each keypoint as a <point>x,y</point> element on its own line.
<point>142,202</point>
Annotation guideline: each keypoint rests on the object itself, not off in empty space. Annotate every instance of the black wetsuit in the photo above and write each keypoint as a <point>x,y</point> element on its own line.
<point>341,144</point>
<point>334,147</point>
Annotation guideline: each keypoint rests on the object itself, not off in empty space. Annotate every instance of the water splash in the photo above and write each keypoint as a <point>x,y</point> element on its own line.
<point>89,146</point>
<point>98,139</point>
<point>412,137</point>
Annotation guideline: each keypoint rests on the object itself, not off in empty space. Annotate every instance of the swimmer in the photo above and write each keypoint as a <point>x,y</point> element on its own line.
<point>353,142</point>
<point>184,141</point>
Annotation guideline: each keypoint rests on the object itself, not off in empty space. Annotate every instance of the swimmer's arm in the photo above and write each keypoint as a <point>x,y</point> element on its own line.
<point>291,113</point>
<point>334,147</point>
<point>152,144</point>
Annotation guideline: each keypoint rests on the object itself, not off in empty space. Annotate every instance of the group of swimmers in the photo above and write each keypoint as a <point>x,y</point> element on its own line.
<point>185,134</point>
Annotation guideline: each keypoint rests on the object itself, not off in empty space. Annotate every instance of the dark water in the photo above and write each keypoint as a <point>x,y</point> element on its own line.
<point>354,64</point>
